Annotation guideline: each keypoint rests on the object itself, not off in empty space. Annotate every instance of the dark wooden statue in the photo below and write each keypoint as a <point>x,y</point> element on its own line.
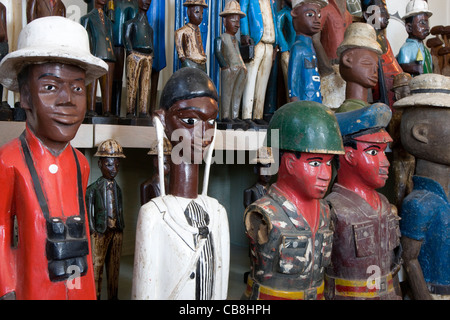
<point>358,64</point>
<point>47,254</point>
<point>99,28</point>
<point>138,38</point>
<point>288,228</point>
<point>182,238</point>
<point>105,211</point>
<point>44,8</point>
<point>425,211</point>
<point>151,188</point>
<point>366,256</point>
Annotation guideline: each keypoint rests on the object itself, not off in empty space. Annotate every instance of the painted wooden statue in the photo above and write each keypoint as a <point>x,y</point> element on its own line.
<point>43,178</point>
<point>100,31</point>
<point>182,238</point>
<point>138,39</point>
<point>366,256</point>
<point>188,40</point>
<point>358,64</point>
<point>303,72</point>
<point>258,30</point>
<point>233,69</point>
<point>124,10</point>
<point>426,210</point>
<point>289,228</point>
<point>376,14</point>
<point>414,57</point>
<point>44,8</point>
<point>151,187</point>
<point>105,211</point>
<point>5,113</point>
<point>335,20</point>
<point>285,36</point>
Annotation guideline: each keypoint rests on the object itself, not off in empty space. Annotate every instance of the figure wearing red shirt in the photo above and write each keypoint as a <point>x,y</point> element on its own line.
<point>44,236</point>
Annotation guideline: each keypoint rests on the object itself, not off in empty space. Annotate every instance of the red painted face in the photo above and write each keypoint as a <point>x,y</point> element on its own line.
<point>312,174</point>
<point>370,163</point>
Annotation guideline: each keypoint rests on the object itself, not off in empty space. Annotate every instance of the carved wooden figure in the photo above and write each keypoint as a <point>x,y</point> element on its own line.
<point>358,64</point>
<point>44,8</point>
<point>151,187</point>
<point>413,56</point>
<point>188,40</point>
<point>258,30</point>
<point>426,211</point>
<point>100,31</point>
<point>288,228</point>
<point>335,20</point>
<point>389,67</point>
<point>403,162</point>
<point>182,238</point>
<point>233,69</point>
<point>105,211</point>
<point>138,38</point>
<point>303,72</point>
<point>124,10</point>
<point>4,47</point>
<point>366,231</point>
<point>43,178</point>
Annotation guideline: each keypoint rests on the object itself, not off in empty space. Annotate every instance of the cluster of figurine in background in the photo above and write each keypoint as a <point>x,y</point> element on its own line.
<point>320,231</point>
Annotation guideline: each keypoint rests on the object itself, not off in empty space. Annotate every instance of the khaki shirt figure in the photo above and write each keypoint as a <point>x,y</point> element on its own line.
<point>188,40</point>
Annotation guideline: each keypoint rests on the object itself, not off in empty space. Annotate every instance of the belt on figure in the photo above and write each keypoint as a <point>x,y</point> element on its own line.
<point>360,288</point>
<point>261,292</point>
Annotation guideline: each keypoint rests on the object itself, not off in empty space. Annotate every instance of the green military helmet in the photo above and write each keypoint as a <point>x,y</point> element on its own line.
<point>306,126</point>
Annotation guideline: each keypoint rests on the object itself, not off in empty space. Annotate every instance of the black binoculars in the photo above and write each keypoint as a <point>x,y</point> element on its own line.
<point>67,247</point>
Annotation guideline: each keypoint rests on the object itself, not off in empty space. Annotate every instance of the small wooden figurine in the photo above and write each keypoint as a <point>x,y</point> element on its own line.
<point>182,238</point>
<point>388,66</point>
<point>358,64</point>
<point>288,228</point>
<point>366,256</point>
<point>413,56</point>
<point>285,36</point>
<point>105,211</point>
<point>100,31</point>
<point>43,178</point>
<point>233,70</point>
<point>138,39</point>
<point>425,211</point>
<point>188,40</point>
<point>150,188</point>
<point>262,160</point>
<point>124,10</point>
<point>258,30</point>
<point>303,72</point>
<point>44,8</point>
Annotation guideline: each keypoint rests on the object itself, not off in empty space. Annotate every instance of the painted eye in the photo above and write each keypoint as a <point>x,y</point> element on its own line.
<point>372,152</point>
<point>309,14</point>
<point>315,163</point>
<point>190,121</point>
<point>78,89</point>
<point>329,163</point>
<point>50,87</point>
<point>211,121</point>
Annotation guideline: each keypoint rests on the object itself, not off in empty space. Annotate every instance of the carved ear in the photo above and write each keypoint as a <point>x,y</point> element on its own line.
<point>349,156</point>
<point>288,159</point>
<point>347,59</point>
<point>408,27</point>
<point>160,113</point>
<point>420,132</point>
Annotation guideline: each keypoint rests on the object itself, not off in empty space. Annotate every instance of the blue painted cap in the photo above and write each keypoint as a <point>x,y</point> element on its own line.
<point>366,121</point>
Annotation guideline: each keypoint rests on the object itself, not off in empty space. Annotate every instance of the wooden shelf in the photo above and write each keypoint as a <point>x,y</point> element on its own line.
<point>91,135</point>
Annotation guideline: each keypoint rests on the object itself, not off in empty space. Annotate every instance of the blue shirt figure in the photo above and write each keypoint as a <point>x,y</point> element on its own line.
<point>303,74</point>
<point>414,50</point>
<point>425,217</point>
